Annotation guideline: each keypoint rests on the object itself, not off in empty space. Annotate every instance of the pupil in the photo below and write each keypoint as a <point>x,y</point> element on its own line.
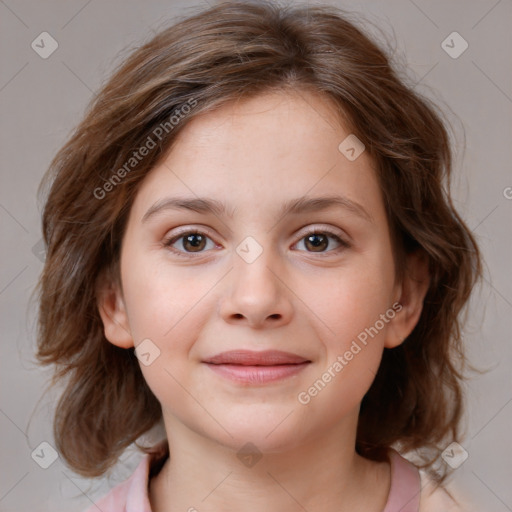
<point>318,243</point>
<point>199,240</point>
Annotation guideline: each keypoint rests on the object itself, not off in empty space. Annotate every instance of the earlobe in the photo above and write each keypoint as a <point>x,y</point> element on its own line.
<point>412,293</point>
<point>113,315</point>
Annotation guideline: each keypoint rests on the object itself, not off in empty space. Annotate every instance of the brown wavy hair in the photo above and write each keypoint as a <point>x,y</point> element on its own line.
<point>231,51</point>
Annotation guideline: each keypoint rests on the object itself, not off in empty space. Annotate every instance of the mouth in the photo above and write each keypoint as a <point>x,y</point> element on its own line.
<point>249,367</point>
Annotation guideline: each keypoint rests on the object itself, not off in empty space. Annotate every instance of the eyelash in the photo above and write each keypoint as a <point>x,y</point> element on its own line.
<point>170,241</point>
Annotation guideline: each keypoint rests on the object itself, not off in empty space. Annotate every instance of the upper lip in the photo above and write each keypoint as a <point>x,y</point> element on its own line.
<point>252,358</point>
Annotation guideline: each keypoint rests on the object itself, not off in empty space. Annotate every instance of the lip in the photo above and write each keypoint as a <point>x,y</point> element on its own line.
<point>250,367</point>
<point>254,358</point>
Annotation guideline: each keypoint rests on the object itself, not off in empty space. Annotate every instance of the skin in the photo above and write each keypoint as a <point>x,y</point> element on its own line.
<point>254,156</point>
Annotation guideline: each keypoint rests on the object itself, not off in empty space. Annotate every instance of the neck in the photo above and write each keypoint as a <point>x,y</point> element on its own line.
<point>323,473</point>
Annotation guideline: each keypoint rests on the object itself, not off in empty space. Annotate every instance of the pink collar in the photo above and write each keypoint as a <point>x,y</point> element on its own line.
<point>404,494</point>
<point>132,495</point>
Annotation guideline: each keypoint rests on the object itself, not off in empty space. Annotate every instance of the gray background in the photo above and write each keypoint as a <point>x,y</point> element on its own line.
<point>41,100</point>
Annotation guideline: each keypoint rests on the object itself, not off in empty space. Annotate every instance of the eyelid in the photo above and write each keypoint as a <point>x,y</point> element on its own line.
<point>303,231</point>
<point>323,228</point>
<point>190,229</point>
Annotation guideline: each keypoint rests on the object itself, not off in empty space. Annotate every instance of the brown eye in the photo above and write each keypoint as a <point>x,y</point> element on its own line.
<point>319,241</point>
<point>195,241</point>
<point>188,242</point>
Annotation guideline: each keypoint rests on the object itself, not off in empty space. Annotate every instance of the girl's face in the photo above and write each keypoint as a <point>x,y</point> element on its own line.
<point>219,256</point>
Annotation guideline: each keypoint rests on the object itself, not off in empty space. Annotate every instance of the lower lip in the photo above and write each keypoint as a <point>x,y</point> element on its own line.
<point>257,374</point>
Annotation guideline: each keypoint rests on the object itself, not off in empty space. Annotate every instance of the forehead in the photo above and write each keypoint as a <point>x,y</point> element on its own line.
<point>263,151</point>
<point>272,122</point>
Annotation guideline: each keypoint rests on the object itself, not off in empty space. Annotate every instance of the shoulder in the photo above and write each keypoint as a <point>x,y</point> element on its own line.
<point>414,490</point>
<point>130,495</point>
<point>439,497</point>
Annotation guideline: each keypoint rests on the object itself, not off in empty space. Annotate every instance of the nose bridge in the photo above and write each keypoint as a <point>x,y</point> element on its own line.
<point>256,292</point>
<point>252,263</point>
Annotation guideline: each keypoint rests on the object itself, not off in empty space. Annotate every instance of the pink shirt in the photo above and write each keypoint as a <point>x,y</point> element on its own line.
<point>132,494</point>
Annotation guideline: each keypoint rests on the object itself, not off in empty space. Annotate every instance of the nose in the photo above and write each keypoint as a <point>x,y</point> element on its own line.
<point>256,293</point>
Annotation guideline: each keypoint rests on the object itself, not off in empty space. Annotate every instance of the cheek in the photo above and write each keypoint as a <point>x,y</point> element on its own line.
<point>170,318</point>
<point>353,346</point>
<point>167,305</point>
<point>162,299</point>
<point>354,299</point>
<point>352,330</point>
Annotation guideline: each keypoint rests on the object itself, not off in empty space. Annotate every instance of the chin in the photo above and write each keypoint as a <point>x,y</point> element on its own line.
<point>271,429</point>
<point>259,441</point>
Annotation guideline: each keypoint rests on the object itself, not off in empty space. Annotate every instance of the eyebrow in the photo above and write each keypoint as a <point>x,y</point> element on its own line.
<point>293,206</point>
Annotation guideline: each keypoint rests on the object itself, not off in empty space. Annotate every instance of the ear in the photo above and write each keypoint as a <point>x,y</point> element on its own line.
<point>409,295</point>
<point>112,310</point>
